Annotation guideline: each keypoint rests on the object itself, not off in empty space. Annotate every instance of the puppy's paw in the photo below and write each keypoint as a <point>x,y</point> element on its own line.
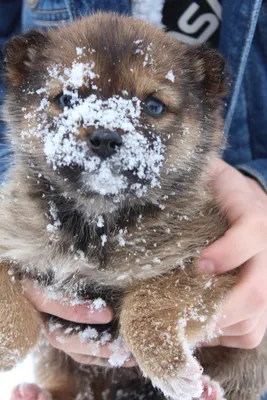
<point>28,391</point>
<point>186,385</point>
<point>211,389</point>
<point>179,388</point>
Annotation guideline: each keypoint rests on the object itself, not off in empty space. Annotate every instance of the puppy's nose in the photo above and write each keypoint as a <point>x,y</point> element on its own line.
<point>105,143</point>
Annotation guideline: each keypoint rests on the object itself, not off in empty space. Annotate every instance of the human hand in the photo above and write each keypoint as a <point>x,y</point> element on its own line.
<point>84,352</point>
<point>244,312</point>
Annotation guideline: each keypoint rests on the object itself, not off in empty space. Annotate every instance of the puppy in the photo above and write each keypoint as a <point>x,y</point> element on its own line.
<point>113,124</point>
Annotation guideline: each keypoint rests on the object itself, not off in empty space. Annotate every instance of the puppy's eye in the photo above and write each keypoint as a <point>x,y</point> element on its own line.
<point>154,107</point>
<point>63,100</point>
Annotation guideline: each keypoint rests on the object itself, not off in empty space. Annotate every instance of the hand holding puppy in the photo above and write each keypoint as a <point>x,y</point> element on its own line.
<point>81,313</point>
<point>244,202</point>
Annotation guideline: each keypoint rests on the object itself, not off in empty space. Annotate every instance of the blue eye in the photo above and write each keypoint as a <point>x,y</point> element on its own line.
<point>64,100</point>
<point>154,107</point>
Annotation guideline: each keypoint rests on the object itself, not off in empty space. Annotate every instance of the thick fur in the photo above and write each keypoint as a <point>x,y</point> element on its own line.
<point>162,303</point>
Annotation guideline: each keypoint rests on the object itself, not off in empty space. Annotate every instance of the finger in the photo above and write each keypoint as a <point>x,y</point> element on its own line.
<point>236,246</point>
<point>249,341</point>
<point>245,207</point>
<point>103,362</point>
<point>82,313</point>
<point>248,298</point>
<point>243,327</point>
<point>75,344</point>
<point>89,360</point>
<point>224,182</point>
<point>223,174</point>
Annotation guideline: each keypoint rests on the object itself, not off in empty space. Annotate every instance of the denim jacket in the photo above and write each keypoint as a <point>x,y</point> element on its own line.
<point>243,43</point>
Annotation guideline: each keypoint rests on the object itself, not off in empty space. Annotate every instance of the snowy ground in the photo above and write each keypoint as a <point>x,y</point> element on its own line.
<point>23,373</point>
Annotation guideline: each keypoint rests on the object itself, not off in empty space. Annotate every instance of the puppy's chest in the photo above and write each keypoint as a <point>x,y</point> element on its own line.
<point>131,250</point>
<point>130,240</point>
<point>135,249</point>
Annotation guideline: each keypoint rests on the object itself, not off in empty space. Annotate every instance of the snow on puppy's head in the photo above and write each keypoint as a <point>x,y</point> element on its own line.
<point>112,153</point>
<point>112,108</point>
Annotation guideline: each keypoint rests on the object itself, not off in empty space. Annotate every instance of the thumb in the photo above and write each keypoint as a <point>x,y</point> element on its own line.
<point>238,244</point>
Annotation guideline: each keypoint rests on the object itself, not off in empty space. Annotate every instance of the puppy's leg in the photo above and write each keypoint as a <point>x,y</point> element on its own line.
<point>211,389</point>
<point>19,322</point>
<point>66,379</point>
<point>241,373</point>
<point>27,391</point>
<point>162,320</point>
<point>58,374</point>
<point>58,377</point>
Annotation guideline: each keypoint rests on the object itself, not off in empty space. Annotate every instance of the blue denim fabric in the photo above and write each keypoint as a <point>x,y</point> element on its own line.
<point>44,14</point>
<point>51,13</point>
<point>10,12</point>
<point>8,26</point>
<point>244,45</point>
<point>84,7</point>
<point>5,152</point>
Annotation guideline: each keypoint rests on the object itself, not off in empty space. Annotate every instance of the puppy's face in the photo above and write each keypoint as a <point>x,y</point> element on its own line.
<point>111,111</point>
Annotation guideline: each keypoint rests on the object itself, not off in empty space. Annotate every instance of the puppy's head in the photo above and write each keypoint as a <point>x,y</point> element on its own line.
<point>110,110</point>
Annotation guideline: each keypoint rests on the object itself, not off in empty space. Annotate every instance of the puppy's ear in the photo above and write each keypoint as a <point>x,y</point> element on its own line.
<point>21,53</point>
<point>210,71</point>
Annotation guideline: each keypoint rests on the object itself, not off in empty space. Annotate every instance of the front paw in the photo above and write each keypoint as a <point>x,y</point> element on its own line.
<point>184,384</point>
<point>211,390</point>
<point>28,391</point>
<point>189,385</point>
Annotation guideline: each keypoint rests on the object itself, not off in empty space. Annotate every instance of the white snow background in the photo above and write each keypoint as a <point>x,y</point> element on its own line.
<point>22,373</point>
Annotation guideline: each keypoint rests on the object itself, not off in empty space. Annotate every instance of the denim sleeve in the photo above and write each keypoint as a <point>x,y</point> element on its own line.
<point>244,46</point>
<point>10,13</point>
<point>5,153</point>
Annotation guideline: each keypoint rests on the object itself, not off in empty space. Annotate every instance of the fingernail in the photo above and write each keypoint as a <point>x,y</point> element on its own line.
<point>102,316</point>
<point>131,362</point>
<point>211,343</point>
<point>206,266</point>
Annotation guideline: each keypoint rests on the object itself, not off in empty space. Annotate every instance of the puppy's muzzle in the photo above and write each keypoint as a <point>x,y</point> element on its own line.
<point>105,143</point>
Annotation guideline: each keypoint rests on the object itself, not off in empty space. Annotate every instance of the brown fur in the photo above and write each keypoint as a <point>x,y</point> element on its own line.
<point>15,311</point>
<point>153,284</point>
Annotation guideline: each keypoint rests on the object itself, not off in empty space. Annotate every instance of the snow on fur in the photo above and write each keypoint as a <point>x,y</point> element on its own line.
<point>141,155</point>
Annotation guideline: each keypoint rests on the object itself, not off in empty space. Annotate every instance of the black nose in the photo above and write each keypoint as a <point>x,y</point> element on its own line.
<point>105,143</point>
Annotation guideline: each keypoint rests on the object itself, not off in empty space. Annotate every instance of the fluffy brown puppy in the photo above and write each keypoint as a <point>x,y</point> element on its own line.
<point>113,124</point>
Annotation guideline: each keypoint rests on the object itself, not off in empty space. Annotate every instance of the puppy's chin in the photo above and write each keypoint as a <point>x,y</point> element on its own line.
<point>100,192</point>
<point>113,190</point>
<point>114,183</point>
